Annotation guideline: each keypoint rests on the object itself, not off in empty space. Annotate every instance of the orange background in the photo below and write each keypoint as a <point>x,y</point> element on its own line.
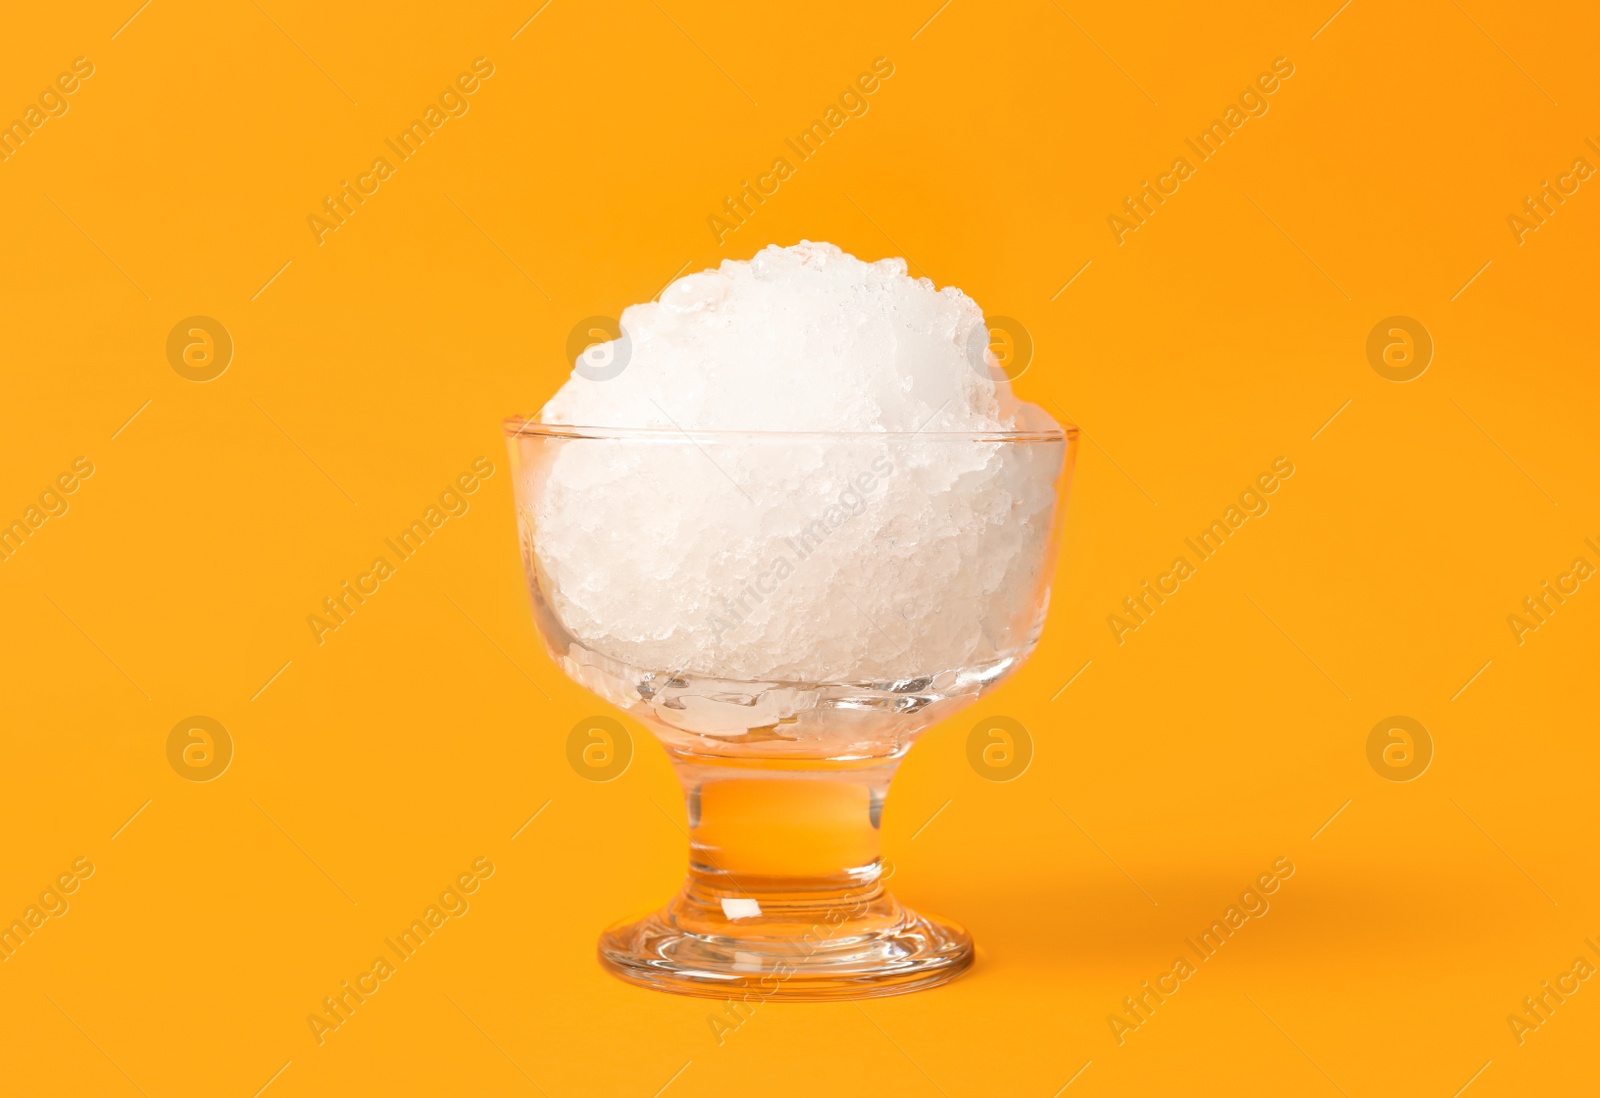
<point>421,735</point>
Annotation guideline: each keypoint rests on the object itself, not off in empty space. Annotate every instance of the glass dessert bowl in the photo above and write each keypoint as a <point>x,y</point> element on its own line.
<point>787,612</point>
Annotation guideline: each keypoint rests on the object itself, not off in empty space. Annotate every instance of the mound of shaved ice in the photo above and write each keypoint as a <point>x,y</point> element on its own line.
<point>797,339</point>
<point>890,550</point>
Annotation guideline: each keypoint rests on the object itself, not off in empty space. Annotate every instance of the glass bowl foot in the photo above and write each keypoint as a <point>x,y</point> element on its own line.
<point>756,955</point>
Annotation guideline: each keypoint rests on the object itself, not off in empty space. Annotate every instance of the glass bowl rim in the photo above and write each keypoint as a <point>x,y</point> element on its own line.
<point>521,426</point>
